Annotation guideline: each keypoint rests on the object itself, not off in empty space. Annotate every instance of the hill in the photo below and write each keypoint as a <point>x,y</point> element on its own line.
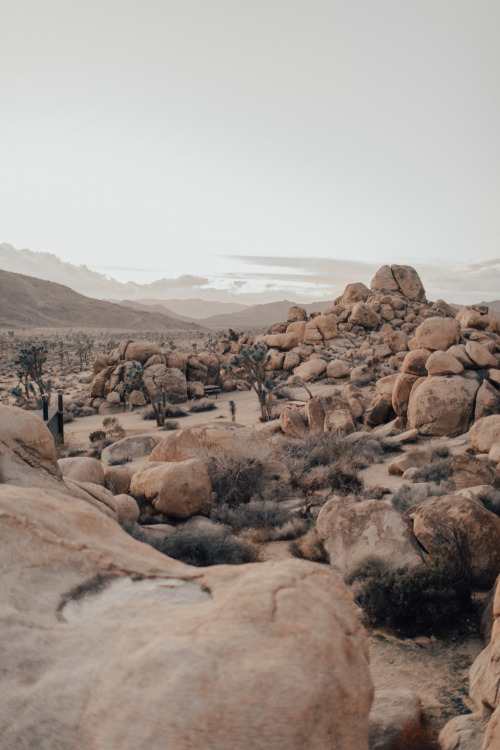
<point>27,301</point>
<point>260,316</point>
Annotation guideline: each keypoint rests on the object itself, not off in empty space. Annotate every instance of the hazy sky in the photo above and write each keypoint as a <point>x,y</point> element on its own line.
<point>154,138</point>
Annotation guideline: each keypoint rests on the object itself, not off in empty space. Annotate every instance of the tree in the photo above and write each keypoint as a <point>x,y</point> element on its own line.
<point>29,363</point>
<point>252,365</point>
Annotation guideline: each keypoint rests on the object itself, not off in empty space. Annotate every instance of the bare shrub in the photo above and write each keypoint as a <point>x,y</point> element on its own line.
<point>234,473</point>
<point>203,405</point>
<point>436,471</point>
<point>309,547</point>
<point>203,547</point>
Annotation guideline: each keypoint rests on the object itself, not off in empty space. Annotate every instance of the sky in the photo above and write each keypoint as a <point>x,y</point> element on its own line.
<point>266,145</point>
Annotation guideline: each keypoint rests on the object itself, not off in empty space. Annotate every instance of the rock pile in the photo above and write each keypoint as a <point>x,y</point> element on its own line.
<point>172,372</point>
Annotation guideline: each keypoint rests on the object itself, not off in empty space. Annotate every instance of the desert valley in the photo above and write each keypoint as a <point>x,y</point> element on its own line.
<point>272,527</point>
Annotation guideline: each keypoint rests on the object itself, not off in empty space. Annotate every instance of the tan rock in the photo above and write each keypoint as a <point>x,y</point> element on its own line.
<point>117,478</point>
<point>128,510</point>
<point>458,351</point>
<point>409,282</point>
<point>310,370</point>
<point>136,398</point>
<point>293,421</point>
<point>396,721</point>
<point>441,363</point>
<point>485,433</point>
<point>291,361</point>
<point>380,410</point>
<point>435,520</point>
<point>153,613</point>
<point>130,447</point>
<point>408,460</point>
<point>160,379</point>
<point>438,334</point>
<point>487,401</point>
<point>357,292</point>
<point>341,421</point>
<point>480,355</point>
<point>397,341</point>
<point>193,442</point>
<point>464,733</point>
<point>179,489</point>
<point>415,361</point>
<point>494,454</point>
<point>99,382</point>
<point>364,315</point>
<point>327,326</point>
<point>141,351</point>
<point>177,360</point>
<point>442,406</point>
<point>82,469</point>
<point>283,341</point>
<point>296,313</point>
<point>337,368</point>
<point>25,434</point>
<point>401,392</point>
<point>470,318</point>
<point>311,334</point>
<point>352,531</point>
<point>386,384</point>
<point>384,279</point>
<point>469,471</point>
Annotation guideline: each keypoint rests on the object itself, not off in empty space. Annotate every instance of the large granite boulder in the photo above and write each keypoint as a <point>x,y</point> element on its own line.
<point>442,405</point>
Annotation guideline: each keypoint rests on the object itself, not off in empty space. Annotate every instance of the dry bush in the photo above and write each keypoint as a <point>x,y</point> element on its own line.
<point>436,471</point>
<point>202,547</point>
<point>309,547</point>
<point>203,405</point>
<point>235,472</point>
<point>409,495</point>
<point>264,521</point>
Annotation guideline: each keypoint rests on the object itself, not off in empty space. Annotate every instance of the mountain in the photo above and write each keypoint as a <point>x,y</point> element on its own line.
<point>195,308</point>
<point>27,301</point>
<point>152,308</point>
<point>260,316</point>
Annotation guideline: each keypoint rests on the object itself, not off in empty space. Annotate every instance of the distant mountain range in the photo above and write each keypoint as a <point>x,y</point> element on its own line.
<point>254,316</point>
<point>26,301</point>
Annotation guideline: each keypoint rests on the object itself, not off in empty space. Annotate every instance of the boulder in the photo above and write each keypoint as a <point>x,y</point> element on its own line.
<point>409,282</point>
<point>26,436</point>
<point>312,335</point>
<point>396,721</point>
<point>193,442</point>
<point>160,379</point>
<point>470,318</point>
<point>364,315</point>
<point>179,489</point>
<point>487,401</point>
<point>401,392</point>
<point>438,333</point>
<point>469,471</point>
<point>480,355</point>
<point>130,447</point>
<point>327,326</point>
<point>310,370</point>
<point>128,510</point>
<point>352,531</point>
<point>458,351</point>
<point>441,363</point>
<point>485,433</point>
<point>288,665</point>
<point>384,279</point>
<point>291,361</point>
<point>442,406</point>
<point>283,341</point>
<point>437,522</point>
<point>408,460</point>
<point>337,368</point>
<point>415,362</point>
<point>141,351</point>
<point>293,422</point>
<point>397,341</point>
<point>464,733</point>
<point>296,313</point>
<point>82,469</point>
<point>357,292</point>
<point>340,421</point>
<point>380,410</point>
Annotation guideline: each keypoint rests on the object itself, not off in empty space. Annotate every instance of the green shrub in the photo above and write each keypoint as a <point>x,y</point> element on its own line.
<point>202,547</point>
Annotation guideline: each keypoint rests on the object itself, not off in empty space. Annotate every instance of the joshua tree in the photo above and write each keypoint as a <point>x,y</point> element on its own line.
<point>251,365</point>
<point>29,363</point>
